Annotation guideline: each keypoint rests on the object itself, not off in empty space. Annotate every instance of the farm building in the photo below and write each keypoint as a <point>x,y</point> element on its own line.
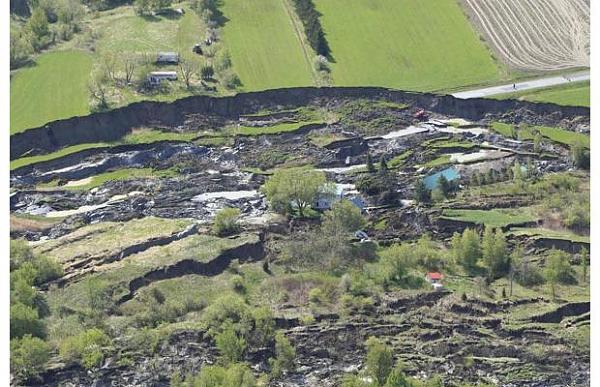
<point>156,77</point>
<point>434,277</point>
<point>342,191</point>
<point>167,58</point>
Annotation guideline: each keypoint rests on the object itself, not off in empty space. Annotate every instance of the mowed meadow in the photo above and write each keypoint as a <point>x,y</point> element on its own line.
<point>52,88</point>
<point>265,48</point>
<point>420,45</point>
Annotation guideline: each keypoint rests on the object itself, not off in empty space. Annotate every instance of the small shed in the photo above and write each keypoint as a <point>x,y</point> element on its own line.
<point>434,277</point>
<point>156,77</point>
<point>167,58</point>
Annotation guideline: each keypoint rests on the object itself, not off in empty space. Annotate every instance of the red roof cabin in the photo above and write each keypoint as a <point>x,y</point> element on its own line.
<point>434,277</point>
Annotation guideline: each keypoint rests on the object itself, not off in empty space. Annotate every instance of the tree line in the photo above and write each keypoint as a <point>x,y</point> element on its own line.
<point>312,26</point>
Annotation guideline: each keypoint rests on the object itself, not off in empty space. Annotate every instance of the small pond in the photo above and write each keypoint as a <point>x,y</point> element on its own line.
<point>450,173</point>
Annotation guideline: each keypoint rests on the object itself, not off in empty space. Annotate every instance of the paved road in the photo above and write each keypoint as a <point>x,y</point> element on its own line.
<point>525,85</point>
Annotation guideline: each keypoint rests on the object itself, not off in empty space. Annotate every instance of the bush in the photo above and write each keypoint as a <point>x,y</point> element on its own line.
<point>24,320</point>
<point>379,360</point>
<point>235,375</point>
<point>87,348</point>
<point>230,80</point>
<point>226,221</point>
<point>44,268</point>
<point>285,355</point>
<point>264,326</point>
<point>230,344</point>
<point>28,357</point>
<point>228,308</point>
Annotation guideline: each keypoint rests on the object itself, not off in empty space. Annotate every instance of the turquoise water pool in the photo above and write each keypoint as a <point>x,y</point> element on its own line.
<point>450,173</point>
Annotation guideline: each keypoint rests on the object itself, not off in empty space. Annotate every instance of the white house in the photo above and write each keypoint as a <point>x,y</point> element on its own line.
<point>167,58</point>
<point>342,191</point>
<point>156,77</point>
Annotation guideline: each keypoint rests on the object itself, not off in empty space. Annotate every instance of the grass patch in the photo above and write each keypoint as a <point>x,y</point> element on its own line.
<point>493,218</point>
<point>405,44</point>
<point>323,140</point>
<point>546,233</point>
<point>273,129</point>
<point>120,174</point>
<point>148,136</point>
<point>23,161</point>
<point>442,160</point>
<point>558,135</point>
<point>54,88</point>
<point>265,49</point>
<point>572,94</point>
<point>398,161</point>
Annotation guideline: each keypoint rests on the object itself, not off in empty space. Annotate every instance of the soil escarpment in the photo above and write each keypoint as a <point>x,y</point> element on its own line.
<point>115,124</point>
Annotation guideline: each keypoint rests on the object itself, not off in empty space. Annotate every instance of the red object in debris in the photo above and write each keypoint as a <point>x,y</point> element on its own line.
<point>420,114</point>
<point>435,276</point>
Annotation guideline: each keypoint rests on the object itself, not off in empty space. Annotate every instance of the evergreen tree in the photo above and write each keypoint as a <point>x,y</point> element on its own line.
<point>383,168</point>
<point>422,193</point>
<point>370,166</point>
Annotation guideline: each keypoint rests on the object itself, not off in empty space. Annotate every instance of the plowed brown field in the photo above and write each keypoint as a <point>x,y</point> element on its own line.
<point>536,34</point>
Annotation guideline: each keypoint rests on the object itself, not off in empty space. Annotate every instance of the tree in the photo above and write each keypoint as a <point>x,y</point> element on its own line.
<point>580,155</point>
<point>379,360</point>
<point>87,348</point>
<point>466,249</point>
<point>344,217</point>
<point>493,248</point>
<point>437,195</point>
<point>129,63</point>
<point>38,23</point>
<point>444,185</point>
<point>517,172</point>
<point>422,193</point>
<point>226,221</point>
<point>557,269</point>
<point>28,357</point>
<point>230,344</point>
<point>585,256</point>
<point>297,187</point>
<point>188,68</point>
<point>98,90</point>
<point>24,320</point>
<point>285,355</point>
<point>383,167</point>
<point>370,166</point>
<point>537,142</point>
<point>264,326</point>
<point>207,72</point>
<point>143,7</point>
<point>397,378</point>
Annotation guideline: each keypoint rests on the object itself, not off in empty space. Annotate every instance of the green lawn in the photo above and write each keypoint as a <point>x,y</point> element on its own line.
<point>546,233</point>
<point>561,136</point>
<point>265,50</point>
<point>14,164</point>
<point>421,45</point>
<point>120,174</point>
<point>575,94</point>
<point>54,88</point>
<point>129,32</point>
<point>494,218</point>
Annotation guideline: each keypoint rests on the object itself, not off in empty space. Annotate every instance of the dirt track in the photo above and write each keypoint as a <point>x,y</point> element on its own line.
<point>536,34</point>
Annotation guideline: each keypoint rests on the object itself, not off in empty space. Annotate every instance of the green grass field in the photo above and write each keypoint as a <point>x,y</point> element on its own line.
<point>264,48</point>
<point>561,136</point>
<point>406,44</point>
<point>54,88</point>
<point>576,94</point>
<point>493,218</point>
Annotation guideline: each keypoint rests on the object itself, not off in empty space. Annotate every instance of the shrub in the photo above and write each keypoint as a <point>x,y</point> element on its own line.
<point>28,357</point>
<point>285,354</point>
<point>87,348</point>
<point>230,80</point>
<point>264,326</point>
<point>24,320</point>
<point>235,375</point>
<point>230,344</point>
<point>228,308</point>
<point>207,72</point>
<point>226,221</point>
<point>379,360</point>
